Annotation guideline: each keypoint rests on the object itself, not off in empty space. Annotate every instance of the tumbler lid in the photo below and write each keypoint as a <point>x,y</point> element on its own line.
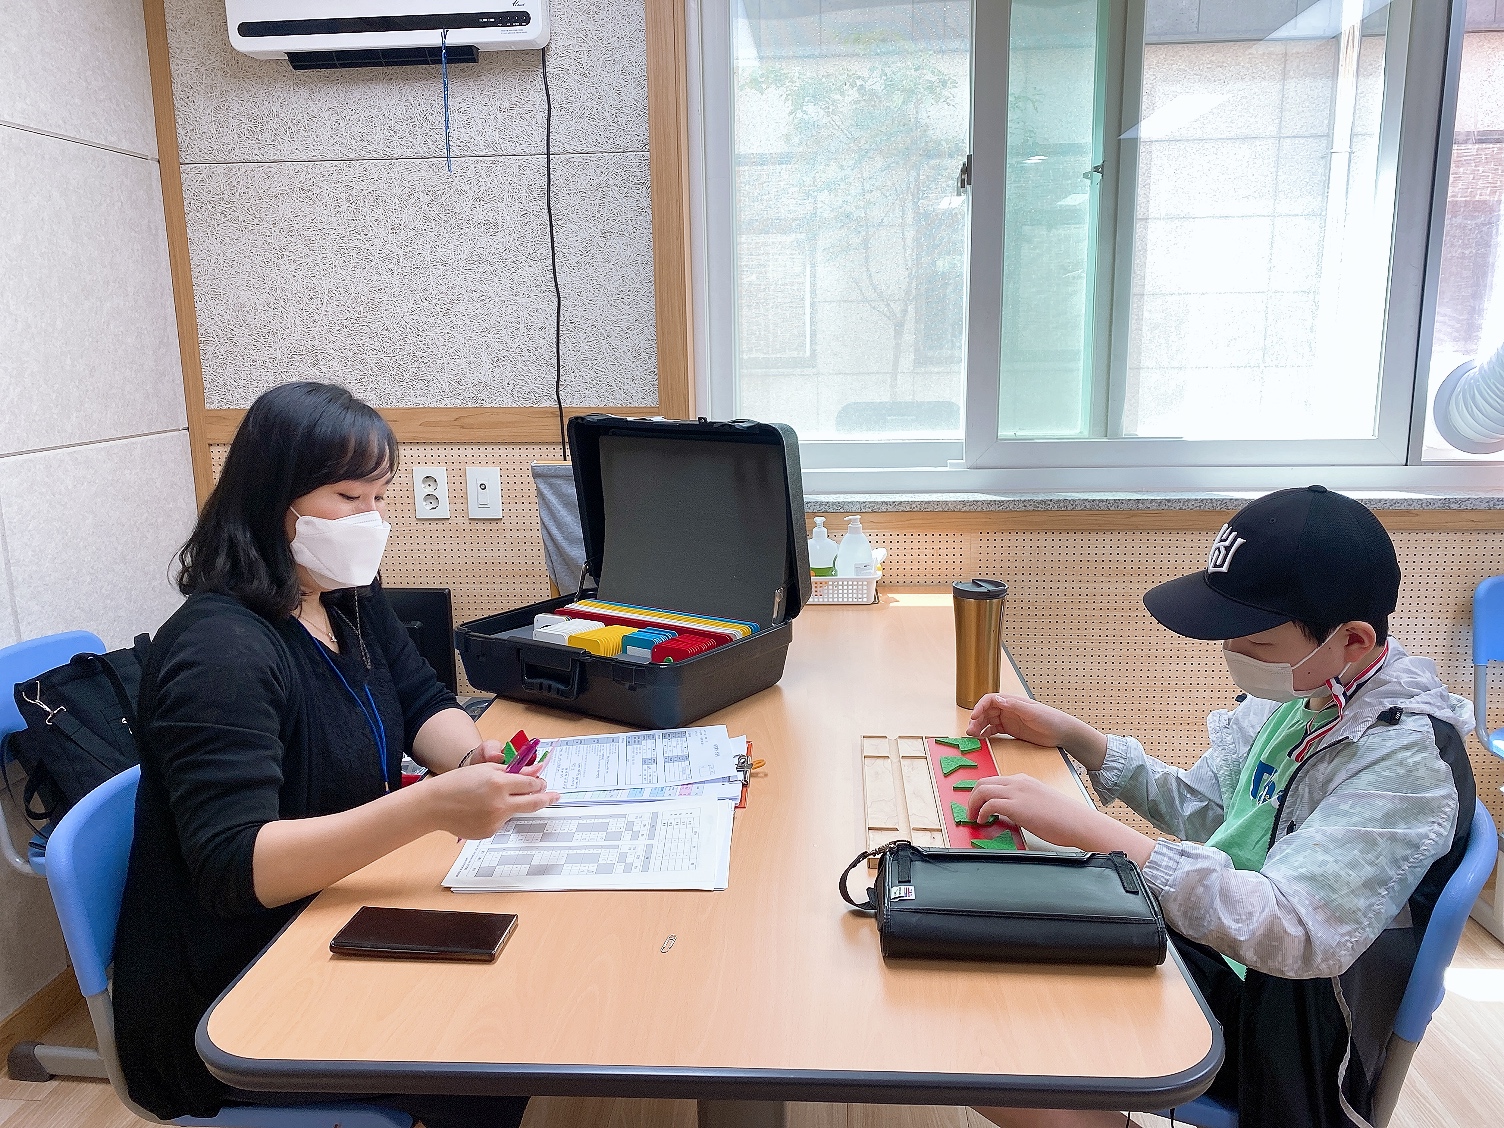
<point>979,589</point>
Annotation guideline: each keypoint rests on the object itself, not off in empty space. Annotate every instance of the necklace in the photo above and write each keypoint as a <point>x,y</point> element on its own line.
<point>317,631</point>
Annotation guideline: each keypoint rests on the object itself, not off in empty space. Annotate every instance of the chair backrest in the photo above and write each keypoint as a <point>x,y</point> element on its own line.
<point>86,861</point>
<point>559,517</point>
<point>1488,621</point>
<point>25,660</point>
<point>1426,988</point>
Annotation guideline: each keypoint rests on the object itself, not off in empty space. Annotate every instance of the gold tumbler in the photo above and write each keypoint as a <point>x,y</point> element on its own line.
<point>978,606</point>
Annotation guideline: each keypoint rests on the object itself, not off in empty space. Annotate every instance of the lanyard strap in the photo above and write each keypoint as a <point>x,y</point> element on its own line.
<point>1341,695</point>
<point>372,715</point>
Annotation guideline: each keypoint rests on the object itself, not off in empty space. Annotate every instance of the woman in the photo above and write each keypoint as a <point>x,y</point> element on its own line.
<point>275,708</point>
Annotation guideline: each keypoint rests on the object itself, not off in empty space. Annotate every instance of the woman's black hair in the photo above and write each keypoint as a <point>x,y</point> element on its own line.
<point>294,439</point>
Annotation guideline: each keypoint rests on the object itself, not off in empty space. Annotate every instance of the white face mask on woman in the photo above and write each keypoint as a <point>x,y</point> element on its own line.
<point>1274,681</point>
<point>343,553</point>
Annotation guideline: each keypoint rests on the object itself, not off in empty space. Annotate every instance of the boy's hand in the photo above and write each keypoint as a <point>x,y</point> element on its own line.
<point>1055,817</point>
<point>1001,714</point>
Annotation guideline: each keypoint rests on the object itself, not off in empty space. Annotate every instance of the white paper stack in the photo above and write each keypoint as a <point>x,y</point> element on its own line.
<point>677,844</point>
<point>638,767</point>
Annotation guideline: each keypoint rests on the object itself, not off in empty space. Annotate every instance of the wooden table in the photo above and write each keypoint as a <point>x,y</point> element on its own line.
<point>772,990</point>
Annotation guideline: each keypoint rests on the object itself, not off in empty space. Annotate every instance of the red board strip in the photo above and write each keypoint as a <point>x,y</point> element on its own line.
<point>961,837</point>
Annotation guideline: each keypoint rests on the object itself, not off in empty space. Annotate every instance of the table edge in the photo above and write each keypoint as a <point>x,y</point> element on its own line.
<point>1131,1094</point>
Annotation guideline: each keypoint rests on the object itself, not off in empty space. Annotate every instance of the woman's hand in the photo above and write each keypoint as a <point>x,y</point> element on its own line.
<point>1057,818</point>
<point>1001,714</point>
<point>476,801</point>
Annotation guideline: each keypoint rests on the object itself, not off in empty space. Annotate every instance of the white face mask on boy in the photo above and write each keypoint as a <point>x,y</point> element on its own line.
<point>1274,681</point>
<point>341,554</point>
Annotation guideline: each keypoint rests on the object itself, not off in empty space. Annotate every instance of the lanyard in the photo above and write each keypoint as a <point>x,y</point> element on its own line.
<point>372,716</point>
<point>1341,695</point>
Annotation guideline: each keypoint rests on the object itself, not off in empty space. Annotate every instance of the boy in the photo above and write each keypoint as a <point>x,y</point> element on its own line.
<point>1316,832</point>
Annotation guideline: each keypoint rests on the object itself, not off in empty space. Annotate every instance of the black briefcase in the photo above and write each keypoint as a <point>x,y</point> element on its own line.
<point>1025,907</point>
<point>699,517</point>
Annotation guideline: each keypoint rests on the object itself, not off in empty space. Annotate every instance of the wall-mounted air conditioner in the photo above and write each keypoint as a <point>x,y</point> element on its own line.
<point>324,34</point>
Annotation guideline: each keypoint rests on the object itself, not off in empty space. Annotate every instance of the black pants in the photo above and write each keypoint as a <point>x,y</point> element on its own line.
<point>1285,1042</point>
<point>433,1111</point>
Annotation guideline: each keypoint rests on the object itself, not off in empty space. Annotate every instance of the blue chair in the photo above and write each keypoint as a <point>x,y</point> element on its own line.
<point>1424,992</point>
<point>32,1061</point>
<point>87,855</point>
<point>1488,646</point>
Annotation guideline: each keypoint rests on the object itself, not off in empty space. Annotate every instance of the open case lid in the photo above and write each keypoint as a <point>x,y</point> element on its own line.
<point>694,516</point>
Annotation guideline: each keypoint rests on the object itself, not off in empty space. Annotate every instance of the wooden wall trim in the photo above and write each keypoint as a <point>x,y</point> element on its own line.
<point>668,168</point>
<point>1135,520</point>
<point>446,424</point>
<point>38,1014</point>
<point>177,242</point>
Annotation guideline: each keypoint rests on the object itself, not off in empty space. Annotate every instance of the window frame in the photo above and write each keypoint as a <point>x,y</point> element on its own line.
<point>1427,82</point>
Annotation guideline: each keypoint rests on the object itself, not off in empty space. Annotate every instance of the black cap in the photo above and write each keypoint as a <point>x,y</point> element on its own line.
<point>1307,555</point>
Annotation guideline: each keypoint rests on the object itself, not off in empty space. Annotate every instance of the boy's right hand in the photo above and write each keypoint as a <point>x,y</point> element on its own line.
<point>1002,714</point>
<point>476,800</point>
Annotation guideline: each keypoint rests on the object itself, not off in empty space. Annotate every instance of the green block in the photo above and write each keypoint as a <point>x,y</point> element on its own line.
<point>1001,842</point>
<point>963,785</point>
<point>958,812</point>
<point>960,743</point>
<point>950,764</point>
<point>508,753</point>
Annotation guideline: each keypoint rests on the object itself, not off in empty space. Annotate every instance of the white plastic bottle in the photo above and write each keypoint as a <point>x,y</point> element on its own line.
<point>822,551</point>
<point>854,558</point>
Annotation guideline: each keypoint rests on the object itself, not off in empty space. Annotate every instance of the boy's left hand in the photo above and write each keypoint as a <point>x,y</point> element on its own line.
<point>1055,817</point>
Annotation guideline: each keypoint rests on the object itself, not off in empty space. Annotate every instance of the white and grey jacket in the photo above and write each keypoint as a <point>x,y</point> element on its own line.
<point>1361,822</point>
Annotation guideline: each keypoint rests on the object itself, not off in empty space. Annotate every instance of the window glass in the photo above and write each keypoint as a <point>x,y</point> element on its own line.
<point>851,123</point>
<point>1264,212</point>
<point>1469,325</point>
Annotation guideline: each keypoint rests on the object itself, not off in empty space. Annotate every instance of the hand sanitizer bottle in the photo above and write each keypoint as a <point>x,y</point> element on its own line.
<point>854,558</point>
<point>822,551</point>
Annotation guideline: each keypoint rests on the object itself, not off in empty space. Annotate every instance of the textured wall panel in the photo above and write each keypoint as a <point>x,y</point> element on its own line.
<point>415,287</point>
<point>88,340</point>
<point>232,107</point>
<point>91,533</point>
<point>78,67</point>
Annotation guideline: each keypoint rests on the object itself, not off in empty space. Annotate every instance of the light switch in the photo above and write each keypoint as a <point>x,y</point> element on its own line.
<point>430,492</point>
<point>483,489</point>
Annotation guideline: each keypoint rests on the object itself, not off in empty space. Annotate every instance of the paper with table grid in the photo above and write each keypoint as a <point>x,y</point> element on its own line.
<point>678,844</point>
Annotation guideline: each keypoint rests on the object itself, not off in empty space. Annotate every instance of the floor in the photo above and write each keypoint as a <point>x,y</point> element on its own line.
<point>1456,1078</point>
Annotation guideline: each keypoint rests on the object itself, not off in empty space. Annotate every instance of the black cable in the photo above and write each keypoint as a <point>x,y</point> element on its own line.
<point>553,253</point>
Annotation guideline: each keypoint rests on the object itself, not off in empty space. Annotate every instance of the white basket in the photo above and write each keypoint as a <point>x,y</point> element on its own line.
<point>844,589</point>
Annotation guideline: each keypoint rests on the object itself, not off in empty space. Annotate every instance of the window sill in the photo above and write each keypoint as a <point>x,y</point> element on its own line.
<point>1162,512</point>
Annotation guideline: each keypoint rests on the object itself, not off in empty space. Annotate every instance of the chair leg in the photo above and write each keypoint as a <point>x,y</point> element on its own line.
<point>33,1061</point>
<point>1386,1091</point>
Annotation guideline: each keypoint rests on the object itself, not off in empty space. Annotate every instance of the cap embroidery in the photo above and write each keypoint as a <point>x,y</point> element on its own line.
<point>1227,543</point>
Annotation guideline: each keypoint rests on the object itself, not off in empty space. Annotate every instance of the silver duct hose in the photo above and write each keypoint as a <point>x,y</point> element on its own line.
<point>1469,407</point>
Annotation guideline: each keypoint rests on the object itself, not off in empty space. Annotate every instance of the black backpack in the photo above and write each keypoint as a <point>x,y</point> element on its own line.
<point>80,721</point>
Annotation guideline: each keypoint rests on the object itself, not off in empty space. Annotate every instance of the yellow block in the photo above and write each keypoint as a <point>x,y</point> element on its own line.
<point>606,641</point>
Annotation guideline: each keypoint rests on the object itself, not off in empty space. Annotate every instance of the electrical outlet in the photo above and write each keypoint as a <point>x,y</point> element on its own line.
<point>430,492</point>
<point>483,490</point>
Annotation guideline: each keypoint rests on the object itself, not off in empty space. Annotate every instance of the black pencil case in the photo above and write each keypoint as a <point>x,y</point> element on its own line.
<point>1027,908</point>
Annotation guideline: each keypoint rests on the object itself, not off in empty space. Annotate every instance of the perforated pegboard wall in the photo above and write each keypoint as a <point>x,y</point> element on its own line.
<point>1074,619</point>
<point>1078,629</point>
<point>488,565</point>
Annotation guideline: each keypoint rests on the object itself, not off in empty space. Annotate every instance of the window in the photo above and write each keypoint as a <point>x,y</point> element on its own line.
<point>1055,235</point>
<point>1469,320</point>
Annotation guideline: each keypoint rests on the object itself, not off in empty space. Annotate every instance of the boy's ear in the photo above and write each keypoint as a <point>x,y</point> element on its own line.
<point>1360,639</point>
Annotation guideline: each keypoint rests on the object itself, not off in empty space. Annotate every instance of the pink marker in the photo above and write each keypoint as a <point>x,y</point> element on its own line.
<point>526,755</point>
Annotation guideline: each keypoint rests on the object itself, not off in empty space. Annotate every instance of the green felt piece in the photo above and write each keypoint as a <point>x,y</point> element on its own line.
<point>964,785</point>
<point>508,753</point>
<point>958,812</point>
<point>960,743</point>
<point>950,764</point>
<point>1003,841</point>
